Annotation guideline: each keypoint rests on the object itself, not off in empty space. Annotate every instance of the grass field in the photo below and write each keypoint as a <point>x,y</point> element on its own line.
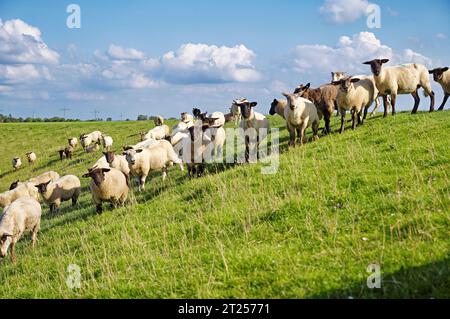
<point>379,194</point>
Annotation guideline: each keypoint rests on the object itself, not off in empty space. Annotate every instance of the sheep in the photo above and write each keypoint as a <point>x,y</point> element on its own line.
<point>300,113</point>
<point>63,189</point>
<point>53,176</point>
<point>156,133</point>
<point>101,163</point>
<point>73,142</point>
<point>117,161</point>
<point>198,115</point>
<point>336,76</point>
<point>215,133</point>
<point>277,107</point>
<point>236,110</point>
<point>252,120</point>
<point>92,148</point>
<point>158,120</point>
<point>88,139</point>
<point>107,185</point>
<point>324,98</point>
<point>355,94</point>
<point>186,121</point>
<point>403,79</point>
<point>142,161</point>
<point>23,215</point>
<point>195,147</point>
<point>229,117</point>
<point>31,156</point>
<point>442,76</point>
<point>16,163</point>
<point>187,118</point>
<point>22,190</point>
<point>107,142</point>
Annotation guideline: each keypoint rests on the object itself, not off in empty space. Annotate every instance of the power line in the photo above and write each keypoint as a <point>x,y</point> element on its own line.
<point>64,109</point>
<point>95,114</point>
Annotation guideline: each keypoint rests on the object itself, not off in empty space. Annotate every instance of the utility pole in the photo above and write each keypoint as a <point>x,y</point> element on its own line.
<point>95,115</point>
<point>121,116</point>
<point>64,109</point>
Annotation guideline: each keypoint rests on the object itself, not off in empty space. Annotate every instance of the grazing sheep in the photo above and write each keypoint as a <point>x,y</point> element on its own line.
<point>324,98</point>
<point>65,153</point>
<point>442,76</point>
<point>107,185</point>
<point>300,113</point>
<point>50,175</point>
<point>23,215</point>
<point>63,189</point>
<point>117,161</point>
<point>73,142</point>
<point>156,133</point>
<point>88,139</point>
<point>16,163</point>
<point>355,95</point>
<point>22,190</point>
<point>107,141</point>
<point>277,107</point>
<point>158,120</point>
<point>403,79</point>
<point>252,120</point>
<point>31,156</point>
<point>92,148</point>
<point>142,161</point>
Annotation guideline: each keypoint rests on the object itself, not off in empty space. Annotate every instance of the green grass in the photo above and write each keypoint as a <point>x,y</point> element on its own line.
<point>237,233</point>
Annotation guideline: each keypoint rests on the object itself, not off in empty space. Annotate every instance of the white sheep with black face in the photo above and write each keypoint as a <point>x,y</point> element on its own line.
<point>402,79</point>
<point>65,188</point>
<point>23,215</point>
<point>22,190</point>
<point>88,139</point>
<point>442,76</point>
<point>16,163</point>
<point>31,157</point>
<point>157,133</point>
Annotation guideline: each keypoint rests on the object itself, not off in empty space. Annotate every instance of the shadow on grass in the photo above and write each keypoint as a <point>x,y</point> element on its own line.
<point>431,280</point>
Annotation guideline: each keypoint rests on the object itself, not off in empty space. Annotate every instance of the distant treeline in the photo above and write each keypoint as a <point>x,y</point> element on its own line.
<point>10,119</point>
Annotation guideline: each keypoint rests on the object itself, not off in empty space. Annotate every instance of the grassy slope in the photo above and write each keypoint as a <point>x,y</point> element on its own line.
<point>238,233</point>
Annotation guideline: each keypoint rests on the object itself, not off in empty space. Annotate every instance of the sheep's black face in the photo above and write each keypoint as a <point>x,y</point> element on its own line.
<point>97,175</point>
<point>302,90</point>
<point>273,107</point>
<point>109,157</point>
<point>13,185</point>
<point>437,73</point>
<point>42,188</point>
<point>196,112</point>
<point>376,65</point>
<point>5,241</point>
<point>246,108</point>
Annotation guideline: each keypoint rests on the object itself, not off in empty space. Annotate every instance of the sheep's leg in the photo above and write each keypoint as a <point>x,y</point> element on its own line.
<point>358,117</point>
<point>327,122</point>
<point>299,131</point>
<point>247,148</point>
<point>443,102</point>
<point>377,106</point>
<point>164,173</point>
<point>52,208</point>
<point>291,131</point>
<point>142,182</point>
<point>99,208</point>
<point>353,119</point>
<point>303,130</point>
<point>385,103</point>
<point>393,99</point>
<point>315,128</point>
<point>431,94</point>
<point>13,252</point>
<point>341,130</point>
<point>416,97</point>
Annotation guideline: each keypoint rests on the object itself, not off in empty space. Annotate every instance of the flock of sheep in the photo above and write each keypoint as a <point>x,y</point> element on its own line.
<point>112,174</point>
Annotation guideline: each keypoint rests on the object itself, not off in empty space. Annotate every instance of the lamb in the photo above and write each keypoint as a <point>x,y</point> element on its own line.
<point>92,148</point>
<point>107,142</point>
<point>159,120</point>
<point>336,76</point>
<point>355,94</point>
<point>117,161</point>
<point>22,190</point>
<point>194,147</point>
<point>88,139</point>
<point>73,142</point>
<point>215,133</point>
<point>50,175</point>
<point>142,161</point>
<point>300,113</point>
<point>156,133</point>
<point>442,76</point>
<point>16,163</point>
<point>324,98</point>
<point>252,120</point>
<point>403,79</point>
<point>31,156</point>
<point>277,107</point>
<point>236,110</point>
<point>63,189</point>
<point>23,215</point>
<point>107,185</point>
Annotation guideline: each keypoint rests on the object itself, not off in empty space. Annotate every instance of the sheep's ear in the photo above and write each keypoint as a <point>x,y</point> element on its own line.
<point>384,60</point>
<point>5,236</point>
<point>86,175</point>
<point>139,150</point>
<point>336,82</point>
<point>104,153</point>
<point>307,86</point>
<point>124,153</point>
<point>105,170</point>
<point>430,71</point>
<point>445,69</point>
<point>274,101</point>
<point>48,182</point>
<point>367,62</point>
<point>354,80</point>
<point>285,94</point>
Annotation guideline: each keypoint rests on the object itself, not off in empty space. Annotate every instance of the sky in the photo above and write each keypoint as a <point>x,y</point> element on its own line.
<point>166,57</point>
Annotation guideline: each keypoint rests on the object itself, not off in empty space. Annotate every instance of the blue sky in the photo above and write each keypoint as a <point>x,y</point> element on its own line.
<point>149,57</point>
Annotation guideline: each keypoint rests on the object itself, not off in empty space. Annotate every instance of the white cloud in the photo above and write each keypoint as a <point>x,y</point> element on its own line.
<point>21,43</point>
<point>347,55</point>
<point>201,63</point>
<point>22,73</point>
<point>118,53</point>
<point>441,36</point>
<point>342,11</point>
